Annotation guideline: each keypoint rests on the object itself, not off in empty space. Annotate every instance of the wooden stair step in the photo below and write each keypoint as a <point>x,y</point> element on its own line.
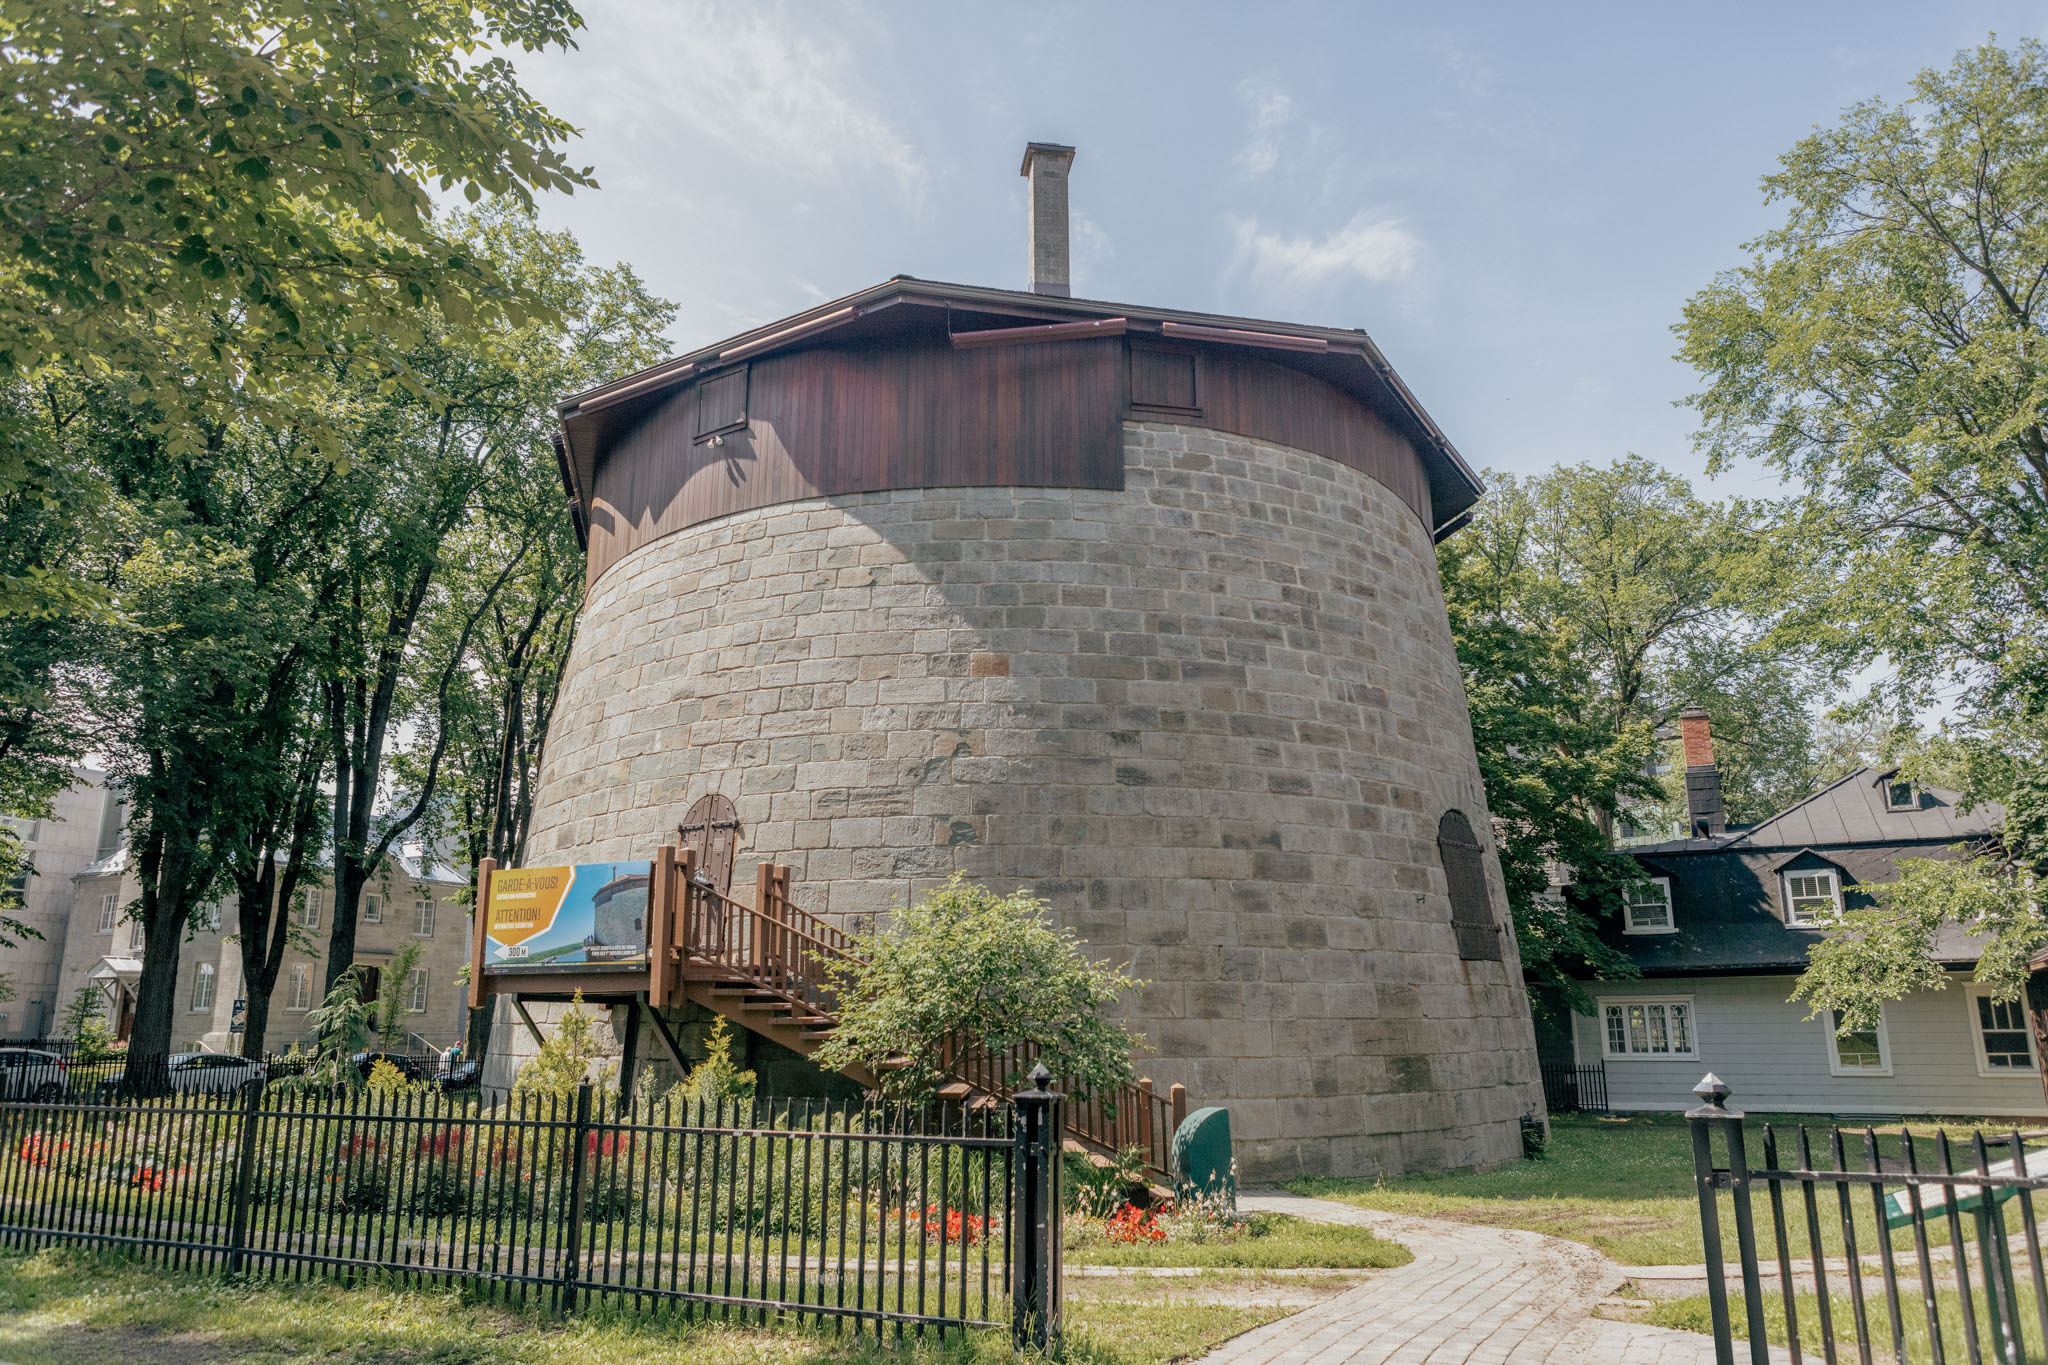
<point>954,1090</point>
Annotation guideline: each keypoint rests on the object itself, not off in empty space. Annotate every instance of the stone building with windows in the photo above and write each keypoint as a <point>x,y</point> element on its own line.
<point>416,900</point>
<point>83,826</point>
<point>1134,607</point>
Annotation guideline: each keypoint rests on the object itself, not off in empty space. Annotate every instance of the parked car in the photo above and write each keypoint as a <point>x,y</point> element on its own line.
<point>408,1067</point>
<point>28,1073</point>
<point>199,1073</point>
<point>461,1076</point>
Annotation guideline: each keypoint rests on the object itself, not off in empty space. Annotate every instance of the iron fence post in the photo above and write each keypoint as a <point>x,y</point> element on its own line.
<point>1711,1092</point>
<point>1035,1219</point>
<point>572,1235</point>
<point>245,1170</point>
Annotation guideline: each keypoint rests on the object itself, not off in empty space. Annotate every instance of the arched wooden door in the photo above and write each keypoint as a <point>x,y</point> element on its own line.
<point>711,828</point>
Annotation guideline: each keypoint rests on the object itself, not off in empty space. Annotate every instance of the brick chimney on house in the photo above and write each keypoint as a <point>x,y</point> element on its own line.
<point>1704,813</point>
<point>1045,166</point>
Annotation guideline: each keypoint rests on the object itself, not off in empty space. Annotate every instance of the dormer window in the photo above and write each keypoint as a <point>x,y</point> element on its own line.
<point>1900,795</point>
<point>1649,908</point>
<point>1812,897</point>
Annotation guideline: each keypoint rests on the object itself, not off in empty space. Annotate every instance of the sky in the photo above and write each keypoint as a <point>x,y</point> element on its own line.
<point>1514,200</point>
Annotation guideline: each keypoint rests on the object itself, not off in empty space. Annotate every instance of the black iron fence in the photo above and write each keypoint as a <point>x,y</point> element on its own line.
<point>1575,1089</point>
<point>882,1218</point>
<point>57,1068</point>
<point>1872,1245</point>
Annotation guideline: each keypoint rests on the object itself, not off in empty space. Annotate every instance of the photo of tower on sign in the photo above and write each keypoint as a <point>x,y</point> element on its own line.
<point>596,912</point>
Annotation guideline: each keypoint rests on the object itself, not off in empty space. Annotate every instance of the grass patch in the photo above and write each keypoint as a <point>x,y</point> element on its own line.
<point>83,1308</point>
<point>1269,1242</point>
<point>1694,1314</point>
<point>1624,1186</point>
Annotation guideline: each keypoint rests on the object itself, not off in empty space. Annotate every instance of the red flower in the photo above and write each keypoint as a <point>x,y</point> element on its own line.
<point>1132,1224</point>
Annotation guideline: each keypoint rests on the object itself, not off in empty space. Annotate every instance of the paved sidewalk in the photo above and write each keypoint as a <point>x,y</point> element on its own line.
<point>1472,1296</point>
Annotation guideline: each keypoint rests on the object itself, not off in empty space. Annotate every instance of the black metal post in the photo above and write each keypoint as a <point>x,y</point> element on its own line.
<point>245,1169</point>
<point>1035,1218</point>
<point>570,1269</point>
<point>1711,1091</point>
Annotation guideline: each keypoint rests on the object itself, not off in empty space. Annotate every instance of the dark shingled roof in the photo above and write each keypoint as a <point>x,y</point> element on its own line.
<point>1725,891</point>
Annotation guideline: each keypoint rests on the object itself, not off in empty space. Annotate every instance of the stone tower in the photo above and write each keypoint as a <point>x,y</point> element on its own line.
<point>1133,607</point>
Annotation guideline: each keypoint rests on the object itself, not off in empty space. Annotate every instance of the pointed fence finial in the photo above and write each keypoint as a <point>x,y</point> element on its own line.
<point>1712,1092</point>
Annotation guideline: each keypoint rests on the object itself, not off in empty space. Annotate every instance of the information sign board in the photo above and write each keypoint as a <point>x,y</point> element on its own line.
<point>549,916</point>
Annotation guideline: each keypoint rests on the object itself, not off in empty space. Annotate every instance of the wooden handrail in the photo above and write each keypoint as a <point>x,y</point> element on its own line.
<point>786,951</point>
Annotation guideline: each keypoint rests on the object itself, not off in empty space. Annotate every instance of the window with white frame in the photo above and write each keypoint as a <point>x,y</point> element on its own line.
<point>1649,908</point>
<point>1812,897</point>
<point>416,991</point>
<point>202,987</point>
<point>300,994</point>
<point>309,911</point>
<point>208,916</point>
<point>2003,1033</point>
<point>136,936</point>
<point>110,912</point>
<point>1660,1028</point>
<point>1860,1052</point>
<point>423,917</point>
<point>1899,795</point>
<point>373,909</point>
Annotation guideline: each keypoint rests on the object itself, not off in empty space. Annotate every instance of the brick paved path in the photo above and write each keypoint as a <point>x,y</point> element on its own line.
<point>1472,1296</point>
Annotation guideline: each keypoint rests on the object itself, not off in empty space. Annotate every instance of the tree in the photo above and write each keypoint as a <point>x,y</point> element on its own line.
<point>967,965</point>
<point>1555,765</point>
<point>1881,348</point>
<point>1590,605</point>
<point>452,517</point>
<point>214,201</point>
<point>392,996</point>
<point>1661,600</point>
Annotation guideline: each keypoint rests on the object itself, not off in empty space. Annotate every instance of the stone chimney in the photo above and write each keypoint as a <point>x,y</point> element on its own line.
<point>1045,166</point>
<point>1704,813</point>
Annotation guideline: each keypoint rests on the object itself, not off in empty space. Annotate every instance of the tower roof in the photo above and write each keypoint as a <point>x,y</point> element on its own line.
<point>1345,358</point>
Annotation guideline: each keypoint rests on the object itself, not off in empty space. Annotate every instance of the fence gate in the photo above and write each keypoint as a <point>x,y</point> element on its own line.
<point>1868,1246</point>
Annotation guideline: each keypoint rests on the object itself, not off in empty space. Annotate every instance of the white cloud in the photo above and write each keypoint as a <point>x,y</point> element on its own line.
<point>1091,248</point>
<point>778,84</point>
<point>1272,108</point>
<point>1371,246</point>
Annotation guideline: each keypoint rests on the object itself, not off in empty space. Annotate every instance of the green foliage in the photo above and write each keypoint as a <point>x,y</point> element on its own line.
<point>1590,606</point>
<point>385,1079</point>
<point>1880,348</point>
<point>84,1022</point>
<point>214,200</point>
<point>718,1077</point>
<point>967,963</point>
<point>341,1025</point>
<point>393,992</point>
<point>566,1057</point>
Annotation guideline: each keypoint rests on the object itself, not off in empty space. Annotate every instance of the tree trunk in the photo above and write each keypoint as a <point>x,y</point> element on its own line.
<point>150,1041</point>
<point>255,1019</point>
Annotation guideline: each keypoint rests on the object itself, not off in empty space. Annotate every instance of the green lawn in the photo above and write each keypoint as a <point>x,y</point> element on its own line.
<point>1696,1315</point>
<point>80,1308</point>
<point>1624,1185</point>
<point>1270,1242</point>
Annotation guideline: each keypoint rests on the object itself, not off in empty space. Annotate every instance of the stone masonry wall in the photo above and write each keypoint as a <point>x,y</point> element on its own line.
<point>1212,718</point>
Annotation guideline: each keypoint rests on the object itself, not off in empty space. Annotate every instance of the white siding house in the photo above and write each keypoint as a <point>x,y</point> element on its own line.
<point>1722,929</point>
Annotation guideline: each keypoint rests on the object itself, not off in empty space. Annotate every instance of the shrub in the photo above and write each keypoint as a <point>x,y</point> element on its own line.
<point>967,963</point>
<point>718,1076</point>
<point>566,1057</point>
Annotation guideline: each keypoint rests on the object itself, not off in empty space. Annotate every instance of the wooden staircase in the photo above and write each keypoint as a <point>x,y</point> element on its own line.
<point>764,968</point>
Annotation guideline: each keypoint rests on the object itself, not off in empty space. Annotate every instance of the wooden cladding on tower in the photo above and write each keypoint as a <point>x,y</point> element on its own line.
<point>721,403</point>
<point>1165,379</point>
